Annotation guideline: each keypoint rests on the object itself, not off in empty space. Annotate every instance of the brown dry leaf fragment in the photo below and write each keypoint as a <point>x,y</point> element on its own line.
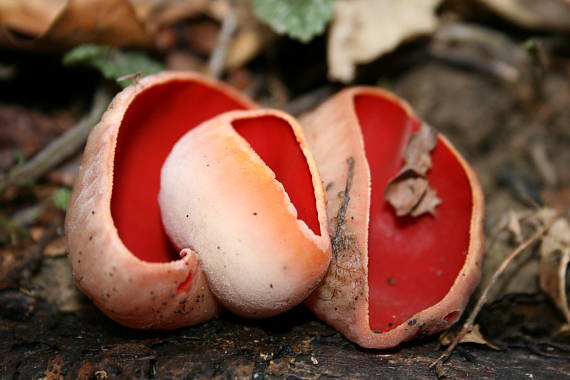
<point>427,204</point>
<point>156,14</point>
<point>554,258</point>
<point>61,24</point>
<point>533,14</point>
<point>405,191</point>
<point>420,144</point>
<point>363,30</point>
<point>473,335</point>
<point>409,192</point>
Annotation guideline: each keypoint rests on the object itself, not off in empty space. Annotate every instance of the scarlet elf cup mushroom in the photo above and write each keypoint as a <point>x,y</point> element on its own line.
<point>242,190</point>
<point>120,254</point>
<point>391,278</point>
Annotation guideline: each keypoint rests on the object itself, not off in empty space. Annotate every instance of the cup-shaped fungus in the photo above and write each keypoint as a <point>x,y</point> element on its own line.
<point>392,278</point>
<point>120,255</point>
<point>242,191</point>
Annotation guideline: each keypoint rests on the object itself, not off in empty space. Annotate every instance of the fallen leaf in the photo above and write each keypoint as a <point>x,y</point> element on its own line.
<point>301,20</point>
<point>419,146</point>
<point>533,14</point>
<point>114,64</point>
<point>110,22</point>
<point>155,14</point>
<point>473,335</point>
<point>363,30</point>
<point>409,192</point>
<point>427,204</point>
<point>554,259</point>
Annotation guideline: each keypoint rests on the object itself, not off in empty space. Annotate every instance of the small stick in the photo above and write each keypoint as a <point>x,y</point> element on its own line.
<point>218,57</point>
<point>61,148</point>
<point>483,297</point>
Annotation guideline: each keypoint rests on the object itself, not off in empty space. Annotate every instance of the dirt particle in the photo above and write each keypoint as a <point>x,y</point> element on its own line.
<point>412,322</point>
<point>391,281</point>
<point>114,289</point>
<point>90,237</point>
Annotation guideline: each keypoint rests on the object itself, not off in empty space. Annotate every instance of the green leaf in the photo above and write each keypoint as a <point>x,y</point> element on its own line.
<point>61,198</point>
<point>299,19</point>
<point>112,63</point>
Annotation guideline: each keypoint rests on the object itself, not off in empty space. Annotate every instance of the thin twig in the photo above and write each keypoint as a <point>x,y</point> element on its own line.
<point>500,70</point>
<point>483,297</point>
<point>218,57</point>
<point>62,147</point>
<point>338,238</point>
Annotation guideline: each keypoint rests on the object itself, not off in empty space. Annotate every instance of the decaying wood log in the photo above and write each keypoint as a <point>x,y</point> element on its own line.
<point>86,345</point>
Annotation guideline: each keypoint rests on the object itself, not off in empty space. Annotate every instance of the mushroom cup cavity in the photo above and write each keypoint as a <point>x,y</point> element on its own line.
<point>120,255</point>
<point>391,278</point>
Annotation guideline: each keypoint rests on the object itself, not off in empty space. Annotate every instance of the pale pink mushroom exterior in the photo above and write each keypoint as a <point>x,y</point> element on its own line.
<point>334,136</point>
<point>132,292</point>
<point>220,198</point>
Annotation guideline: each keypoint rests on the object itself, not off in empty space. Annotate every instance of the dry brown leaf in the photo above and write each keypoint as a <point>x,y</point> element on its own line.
<point>155,14</point>
<point>554,258</point>
<point>63,23</point>
<point>473,335</point>
<point>534,14</point>
<point>110,22</point>
<point>30,17</point>
<point>409,192</point>
<point>427,204</point>
<point>363,30</point>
